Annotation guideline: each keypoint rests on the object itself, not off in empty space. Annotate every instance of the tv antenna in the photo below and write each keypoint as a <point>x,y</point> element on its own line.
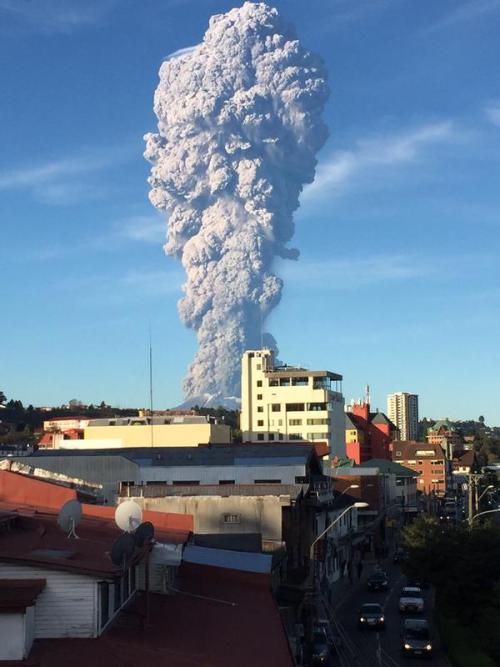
<point>128,516</point>
<point>69,517</point>
<point>122,549</point>
<point>151,386</point>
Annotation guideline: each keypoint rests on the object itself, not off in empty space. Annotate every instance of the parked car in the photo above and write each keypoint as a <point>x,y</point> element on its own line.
<point>416,638</point>
<point>377,581</point>
<point>371,615</point>
<point>320,647</point>
<point>411,599</point>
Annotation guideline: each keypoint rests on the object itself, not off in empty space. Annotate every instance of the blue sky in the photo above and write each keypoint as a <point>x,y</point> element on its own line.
<point>398,283</point>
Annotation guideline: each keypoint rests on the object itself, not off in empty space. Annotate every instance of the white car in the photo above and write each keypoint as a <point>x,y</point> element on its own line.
<point>411,599</point>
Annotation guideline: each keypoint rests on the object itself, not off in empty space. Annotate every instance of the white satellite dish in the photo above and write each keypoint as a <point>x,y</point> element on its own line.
<point>69,517</point>
<point>128,516</point>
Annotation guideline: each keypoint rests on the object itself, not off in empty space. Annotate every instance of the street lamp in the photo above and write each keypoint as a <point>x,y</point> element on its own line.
<point>481,513</point>
<point>357,505</point>
<point>490,486</point>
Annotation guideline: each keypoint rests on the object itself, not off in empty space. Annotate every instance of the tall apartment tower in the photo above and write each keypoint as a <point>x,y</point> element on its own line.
<point>289,403</point>
<point>402,410</point>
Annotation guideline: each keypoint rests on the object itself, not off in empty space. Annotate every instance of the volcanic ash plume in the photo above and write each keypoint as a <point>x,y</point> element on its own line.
<point>238,128</point>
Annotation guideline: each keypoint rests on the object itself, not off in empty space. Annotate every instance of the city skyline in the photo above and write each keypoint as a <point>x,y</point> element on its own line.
<point>397,285</point>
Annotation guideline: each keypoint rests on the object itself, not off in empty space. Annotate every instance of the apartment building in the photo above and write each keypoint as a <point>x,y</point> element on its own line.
<point>402,410</point>
<point>429,461</point>
<point>290,403</point>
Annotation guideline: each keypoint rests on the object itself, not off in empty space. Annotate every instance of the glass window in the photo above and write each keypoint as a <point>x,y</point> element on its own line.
<point>295,422</point>
<point>295,407</point>
<point>276,407</point>
<point>300,382</point>
<point>260,436</point>
<point>232,518</point>
<point>284,382</point>
<point>259,397</point>
<point>260,408</point>
<point>260,422</point>
<point>274,383</point>
<point>271,436</point>
<point>295,436</point>
<point>317,406</point>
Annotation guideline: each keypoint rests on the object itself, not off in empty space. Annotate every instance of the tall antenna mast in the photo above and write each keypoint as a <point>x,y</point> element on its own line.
<point>151,386</point>
<point>367,394</point>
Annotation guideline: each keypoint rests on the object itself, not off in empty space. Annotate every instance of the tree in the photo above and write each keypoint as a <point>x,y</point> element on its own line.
<point>481,420</point>
<point>3,398</point>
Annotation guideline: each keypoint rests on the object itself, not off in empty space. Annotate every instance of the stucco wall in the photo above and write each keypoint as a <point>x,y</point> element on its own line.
<point>257,514</point>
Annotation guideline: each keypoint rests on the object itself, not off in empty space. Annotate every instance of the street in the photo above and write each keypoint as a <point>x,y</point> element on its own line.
<point>370,647</point>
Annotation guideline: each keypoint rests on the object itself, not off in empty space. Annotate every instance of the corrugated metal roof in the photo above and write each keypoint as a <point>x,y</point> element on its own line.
<point>233,560</point>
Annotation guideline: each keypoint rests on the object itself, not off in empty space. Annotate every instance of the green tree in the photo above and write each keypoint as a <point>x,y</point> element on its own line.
<point>3,398</point>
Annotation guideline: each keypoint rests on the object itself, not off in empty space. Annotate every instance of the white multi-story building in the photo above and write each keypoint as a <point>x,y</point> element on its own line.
<point>402,410</point>
<point>290,403</point>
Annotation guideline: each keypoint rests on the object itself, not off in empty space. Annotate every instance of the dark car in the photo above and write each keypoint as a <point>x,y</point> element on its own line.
<point>371,615</point>
<point>320,647</point>
<point>377,581</point>
<point>416,638</point>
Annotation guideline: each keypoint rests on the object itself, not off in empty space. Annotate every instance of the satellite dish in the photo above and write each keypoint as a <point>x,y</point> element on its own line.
<point>144,533</point>
<point>122,549</point>
<point>128,516</point>
<point>69,517</point>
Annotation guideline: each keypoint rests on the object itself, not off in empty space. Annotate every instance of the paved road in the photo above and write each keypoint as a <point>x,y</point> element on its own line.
<point>369,648</point>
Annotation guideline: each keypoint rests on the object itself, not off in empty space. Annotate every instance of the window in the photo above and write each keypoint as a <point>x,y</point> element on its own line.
<point>284,382</point>
<point>104,602</point>
<point>260,422</point>
<point>300,382</point>
<point>280,436</point>
<point>260,436</point>
<point>318,436</point>
<point>318,422</point>
<point>295,436</point>
<point>258,367</point>
<point>259,397</point>
<point>276,407</point>
<point>260,408</point>
<point>227,481</point>
<point>259,383</point>
<point>271,436</point>
<point>295,407</point>
<point>267,481</point>
<point>231,518</point>
<point>186,482</point>
<point>274,383</point>
<point>317,406</point>
<point>295,422</point>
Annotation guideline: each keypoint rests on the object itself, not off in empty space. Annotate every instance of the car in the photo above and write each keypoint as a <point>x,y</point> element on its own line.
<point>377,581</point>
<point>371,615</point>
<point>411,599</point>
<point>320,654</point>
<point>416,638</point>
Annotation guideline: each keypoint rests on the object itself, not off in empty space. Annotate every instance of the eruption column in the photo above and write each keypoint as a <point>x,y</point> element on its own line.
<point>239,124</point>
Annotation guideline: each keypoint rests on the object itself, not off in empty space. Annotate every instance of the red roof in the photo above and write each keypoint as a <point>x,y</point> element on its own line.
<point>17,594</point>
<point>33,505</point>
<point>218,618</point>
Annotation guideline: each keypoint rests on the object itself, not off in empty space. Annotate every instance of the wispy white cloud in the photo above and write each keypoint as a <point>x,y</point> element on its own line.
<point>145,228</point>
<point>492,112</point>
<point>59,16</point>
<point>181,52</point>
<point>383,151</point>
<point>356,272</point>
<point>65,180</point>
<point>465,12</point>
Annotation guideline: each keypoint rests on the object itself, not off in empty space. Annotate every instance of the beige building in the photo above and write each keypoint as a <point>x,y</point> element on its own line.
<point>290,403</point>
<point>173,431</point>
<point>402,410</point>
